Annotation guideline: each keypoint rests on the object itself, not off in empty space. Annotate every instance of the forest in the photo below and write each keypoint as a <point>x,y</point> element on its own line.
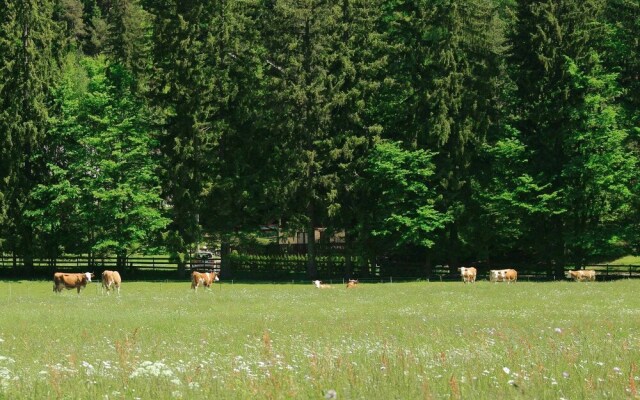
<point>444,131</point>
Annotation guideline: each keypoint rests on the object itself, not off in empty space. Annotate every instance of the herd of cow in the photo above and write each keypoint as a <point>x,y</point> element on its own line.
<point>511,275</point>
<point>111,280</point>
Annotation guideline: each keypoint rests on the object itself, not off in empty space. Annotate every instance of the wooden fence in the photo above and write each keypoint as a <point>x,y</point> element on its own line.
<point>286,268</point>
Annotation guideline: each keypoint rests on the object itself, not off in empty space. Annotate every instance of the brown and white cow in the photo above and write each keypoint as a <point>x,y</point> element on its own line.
<point>352,283</point>
<point>468,274</point>
<point>503,275</point>
<point>111,280</point>
<point>205,279</point>
<point>62,280</point>
<point>321,285</point>
<point>582,275</point>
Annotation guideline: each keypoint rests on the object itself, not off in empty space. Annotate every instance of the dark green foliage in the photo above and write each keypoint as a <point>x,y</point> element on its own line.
<point>27,66</point>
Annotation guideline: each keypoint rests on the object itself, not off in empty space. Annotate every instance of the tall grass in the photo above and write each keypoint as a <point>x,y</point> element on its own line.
<point>378,341</point>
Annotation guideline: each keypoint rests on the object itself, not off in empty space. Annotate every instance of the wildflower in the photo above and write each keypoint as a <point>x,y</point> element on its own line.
<point>558,330</point>
<point>331,394</point>
<point>617,370</point>
<point>506,370</point>
<point>565,375</point>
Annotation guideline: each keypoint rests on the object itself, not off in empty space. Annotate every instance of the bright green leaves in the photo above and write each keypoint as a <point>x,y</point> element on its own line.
<point>104,180</point>
<point>401,196</point>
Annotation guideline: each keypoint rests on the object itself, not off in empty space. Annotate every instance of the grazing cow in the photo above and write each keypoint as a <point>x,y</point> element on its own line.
<point>503,275</point>
<point>468,274</point>
<point>203,278</point>
<point>111,279</point>
<point>63,280</point>
<point>352,283</point>
<point>582,275</point>
<point>321,285</point>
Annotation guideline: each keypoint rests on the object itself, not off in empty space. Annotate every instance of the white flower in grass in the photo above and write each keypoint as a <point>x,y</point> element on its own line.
<point>331,394</point>
<point>565,375</point>
<point>558,330</point>
<point>617,370</point>
<point>506,370</point>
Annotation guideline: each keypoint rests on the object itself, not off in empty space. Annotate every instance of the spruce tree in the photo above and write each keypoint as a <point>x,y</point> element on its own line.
<point>316,79</point>
<point>27,66</point>
<point>181,91</point>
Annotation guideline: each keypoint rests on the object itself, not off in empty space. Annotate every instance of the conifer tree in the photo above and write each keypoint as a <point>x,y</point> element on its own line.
<point>181,92</point>
<point>27,67</point>
<point>319,80</point>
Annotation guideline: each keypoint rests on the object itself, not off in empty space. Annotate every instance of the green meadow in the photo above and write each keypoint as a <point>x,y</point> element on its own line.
<point>419,340</point>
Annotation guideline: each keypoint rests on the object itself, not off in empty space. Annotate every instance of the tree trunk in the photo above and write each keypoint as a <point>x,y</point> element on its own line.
<point>225,261</point>
<point>454,249</point>
<point>312,267</point>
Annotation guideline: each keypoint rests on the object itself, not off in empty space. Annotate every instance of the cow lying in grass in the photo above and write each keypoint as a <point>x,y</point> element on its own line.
<point>62,280</point>
<point>352,283</point>
<point>321,285</point>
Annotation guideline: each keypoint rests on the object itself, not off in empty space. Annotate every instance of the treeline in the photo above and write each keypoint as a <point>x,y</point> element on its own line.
<point>442,131</point>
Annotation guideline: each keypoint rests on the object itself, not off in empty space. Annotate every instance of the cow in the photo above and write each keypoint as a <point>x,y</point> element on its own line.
<point>503,275</point>
<point>321,285</point>
<point>468,274</point>
<point>62,280</point>
<point>582,275</point>
<point>352,283</point>
<point>111,280</point>
<point>203,278</point>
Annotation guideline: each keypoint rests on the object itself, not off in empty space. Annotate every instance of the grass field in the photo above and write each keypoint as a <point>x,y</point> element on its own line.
<point>379,341</point>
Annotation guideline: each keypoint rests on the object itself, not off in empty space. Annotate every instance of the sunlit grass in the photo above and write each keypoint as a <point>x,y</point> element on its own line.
<point>626,260</point>
<point>378,341</point>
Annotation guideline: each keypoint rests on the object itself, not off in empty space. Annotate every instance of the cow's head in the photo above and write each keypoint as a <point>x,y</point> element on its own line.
<point>215,277</point>
<point>89,275</point>
<point>316,283</point>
